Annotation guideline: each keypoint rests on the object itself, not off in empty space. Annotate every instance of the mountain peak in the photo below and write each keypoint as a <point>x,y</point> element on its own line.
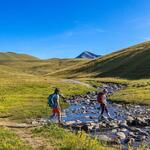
<point>87,54</point>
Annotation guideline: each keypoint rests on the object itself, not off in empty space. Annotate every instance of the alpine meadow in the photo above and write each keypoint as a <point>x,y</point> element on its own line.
<point>74,75</point>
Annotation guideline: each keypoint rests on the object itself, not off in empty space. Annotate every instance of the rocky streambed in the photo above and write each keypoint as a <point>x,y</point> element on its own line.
<point>130,124</point>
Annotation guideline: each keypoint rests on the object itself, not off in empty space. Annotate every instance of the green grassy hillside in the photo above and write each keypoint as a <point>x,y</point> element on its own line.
<point>51,65</point>
<point>37,67</point>
<point>129,63</point>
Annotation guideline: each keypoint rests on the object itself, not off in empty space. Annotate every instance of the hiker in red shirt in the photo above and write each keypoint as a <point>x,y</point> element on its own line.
<point>102,100</point>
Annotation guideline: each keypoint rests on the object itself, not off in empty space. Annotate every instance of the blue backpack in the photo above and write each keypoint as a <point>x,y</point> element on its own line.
<point>51,101</point>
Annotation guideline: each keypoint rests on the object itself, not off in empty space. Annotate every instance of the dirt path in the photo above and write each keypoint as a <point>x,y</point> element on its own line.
<point>77,82</point>
<point>11,124</point>
<point>36,143</point>
<point>24,132</point>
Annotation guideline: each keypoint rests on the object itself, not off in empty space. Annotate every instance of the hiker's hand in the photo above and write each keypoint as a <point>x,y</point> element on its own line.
<point>62,96</point>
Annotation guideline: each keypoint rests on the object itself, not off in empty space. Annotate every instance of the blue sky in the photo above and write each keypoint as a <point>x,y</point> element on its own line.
<point>65,28</point>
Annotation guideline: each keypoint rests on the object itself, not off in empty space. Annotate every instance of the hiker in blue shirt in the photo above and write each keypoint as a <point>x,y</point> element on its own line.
<point>53,101</point>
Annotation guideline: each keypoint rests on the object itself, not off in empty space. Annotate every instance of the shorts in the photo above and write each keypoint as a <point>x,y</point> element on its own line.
<point>56,110</point>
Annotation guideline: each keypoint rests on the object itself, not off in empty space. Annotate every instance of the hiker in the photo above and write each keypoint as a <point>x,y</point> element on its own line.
<point>102,100</point>
<point>53,101</point>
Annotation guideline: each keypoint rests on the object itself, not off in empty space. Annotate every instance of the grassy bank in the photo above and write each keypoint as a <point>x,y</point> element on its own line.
<point>63,139</point>
<point>55,138</point>
<point>59,138</point>
<point>26,98</point>
<point>137,91</point>
<point>133,94</point>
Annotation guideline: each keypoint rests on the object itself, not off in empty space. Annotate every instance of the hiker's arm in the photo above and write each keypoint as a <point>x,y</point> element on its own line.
<point>62,96</point>
<point>58,102</point>
<point>105,99</point>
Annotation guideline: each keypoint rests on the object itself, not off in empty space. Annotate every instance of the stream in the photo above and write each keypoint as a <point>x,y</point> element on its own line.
<point>130,124</point>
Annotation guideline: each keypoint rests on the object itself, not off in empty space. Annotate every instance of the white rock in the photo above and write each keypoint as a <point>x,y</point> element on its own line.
<point>34,122</point>
<point>70,122</point>
<point>123,130</point>
<point>114,131</point>
<point>121,135</point>
<point>130,118</point>
<point>104,138</point>
<point>87,117</point>
<point>78,121</point>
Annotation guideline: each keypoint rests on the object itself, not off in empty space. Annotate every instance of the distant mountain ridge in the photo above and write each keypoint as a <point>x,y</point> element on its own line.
<point>11,56</point>
<point>87,54</point>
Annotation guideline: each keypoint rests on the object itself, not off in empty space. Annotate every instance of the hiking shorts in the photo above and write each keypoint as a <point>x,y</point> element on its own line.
<point>56,110</point>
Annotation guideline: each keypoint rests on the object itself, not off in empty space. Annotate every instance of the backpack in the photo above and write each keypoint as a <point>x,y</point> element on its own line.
<point>100,98</point>
<point>51,101</point>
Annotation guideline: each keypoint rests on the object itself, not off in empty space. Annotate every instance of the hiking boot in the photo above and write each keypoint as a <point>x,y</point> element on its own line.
<point>100,118</point>
<point>110,119</point>
<point>110,116</point>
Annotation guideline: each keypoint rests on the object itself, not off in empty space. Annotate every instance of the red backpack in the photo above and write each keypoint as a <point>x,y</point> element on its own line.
<point>100,97</point>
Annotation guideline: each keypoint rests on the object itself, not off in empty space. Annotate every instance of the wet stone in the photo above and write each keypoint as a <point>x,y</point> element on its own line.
<point>34,122</point>
<point>121,135</point>
<point>131,134</point>
<point>139,122</point>
<point>114,131</point>
<point>104,138</point>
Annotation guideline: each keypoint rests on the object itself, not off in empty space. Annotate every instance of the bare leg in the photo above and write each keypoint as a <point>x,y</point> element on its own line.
<point>52,116</point>
<point>59,117</point>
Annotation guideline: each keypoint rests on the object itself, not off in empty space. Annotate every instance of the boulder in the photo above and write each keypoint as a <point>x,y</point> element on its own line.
<point>141,132</point>
<point>139,138</point>
<point>78,121</point>
<point>102,125</point>
<point>139,122</point>
<point>68,123</point>
<point>91,127</point>
<point>86,117</point>
<point>34,122</point>
<point>123,124</point>
<point>131,134</point>
<point>104,138</point>
<point>93,117</point>
<point>114,131</point>
<point>129,119</point>
<point>85,128</point>
<point>124,130</point>
<point>131,141</point>
<point>121,135</point>
<point>113,124</point>
<point>148,121</point>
